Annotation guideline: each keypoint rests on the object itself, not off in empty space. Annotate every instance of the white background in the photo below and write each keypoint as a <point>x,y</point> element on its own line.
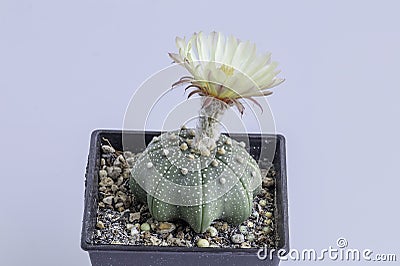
<point>68,67</point>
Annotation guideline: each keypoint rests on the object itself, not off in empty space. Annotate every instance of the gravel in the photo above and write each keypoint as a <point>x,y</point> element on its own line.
<point>121,219</point>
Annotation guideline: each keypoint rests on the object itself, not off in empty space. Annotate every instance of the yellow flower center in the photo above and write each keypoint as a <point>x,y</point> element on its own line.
<point>227,70</point>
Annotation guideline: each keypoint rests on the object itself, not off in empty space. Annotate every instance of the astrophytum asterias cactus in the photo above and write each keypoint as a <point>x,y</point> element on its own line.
<point>199,175</point>
<point>178,183</point>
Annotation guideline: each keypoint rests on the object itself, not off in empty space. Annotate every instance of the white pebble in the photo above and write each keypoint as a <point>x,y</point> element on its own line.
<point>100,225</point>
<point>222,180</point>
<point>134,231</point>
<point>221,151</point>
<point>212,230</point>
<point>102,173</point>
<point>165,152</point>
<point>237,238</point>
<point>128,154</point>
<point>134,217</point>
<point>262,203</point>
<point>107,149</point>
<point>242,144</point>
<point>149,165</point>
<point>184,171</point>
<point>130,161</point>
<point>203,243</point>
<point>190,156</point>
<point>189,142</point>
<point>129,226</point>
<point>184,146</point>
<point>108,200</point>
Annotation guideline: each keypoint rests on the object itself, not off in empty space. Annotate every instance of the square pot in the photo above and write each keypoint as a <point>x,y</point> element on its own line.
<point>124,255</point>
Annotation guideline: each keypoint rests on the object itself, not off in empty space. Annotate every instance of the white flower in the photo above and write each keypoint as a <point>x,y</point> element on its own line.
<point>225,68</point>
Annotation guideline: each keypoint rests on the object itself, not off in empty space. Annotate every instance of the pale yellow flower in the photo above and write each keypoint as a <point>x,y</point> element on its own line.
<point>225,68</point>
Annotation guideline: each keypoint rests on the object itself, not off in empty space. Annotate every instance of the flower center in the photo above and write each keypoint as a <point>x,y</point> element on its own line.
<point>227,70</point>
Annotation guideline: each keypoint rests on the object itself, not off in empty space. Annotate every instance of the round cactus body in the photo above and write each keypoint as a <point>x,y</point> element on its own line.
<point>177,182</point>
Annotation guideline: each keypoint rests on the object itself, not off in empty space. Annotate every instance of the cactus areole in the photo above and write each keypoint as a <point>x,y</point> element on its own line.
<point>198,175</point>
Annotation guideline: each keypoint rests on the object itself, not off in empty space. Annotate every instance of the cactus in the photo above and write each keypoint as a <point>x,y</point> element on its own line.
<point>179,183</point>
<point>199,175</point>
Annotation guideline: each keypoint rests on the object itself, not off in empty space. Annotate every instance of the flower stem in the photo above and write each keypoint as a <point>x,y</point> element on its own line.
<point>208,128</point>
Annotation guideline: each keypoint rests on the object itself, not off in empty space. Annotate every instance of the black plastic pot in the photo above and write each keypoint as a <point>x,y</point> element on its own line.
<point>124,255</point>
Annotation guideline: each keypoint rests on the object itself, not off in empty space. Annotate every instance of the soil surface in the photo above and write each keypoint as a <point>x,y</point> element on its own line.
<point>121,219</point>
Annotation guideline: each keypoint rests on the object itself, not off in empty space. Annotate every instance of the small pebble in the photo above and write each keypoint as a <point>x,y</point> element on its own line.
<point>205,152</point>
<point>100,225</point>
<point>256,215</point>
<point>214,163</point>
<point>134,217</point>
<point>268,214</point>
<point>262,203</point>
<point>102,174</point>
<point>212,230</point>
<point>245,245</point>
<point>129,226</point>
<point>119,205</point>
<point>268,182</point>
<point>250,224</point>
<point>222,180</point>
<point>149,165</point>
<point>145,227</point>
<point>128,154</point>
<point>107,149</point>
<point>267,229</point>
<point>250,237</point>
<point>242,144</point>
<point>184,146</point>
<point>121,195</point>
<point>228,141</point>
<point>203,243</point>
<point>130,161</point>
<point>120,180</point>
<point>165,152</point>
<point>134,231</point>
<point>221,151</point>
<point>114,188</point>
<point>190,156</point>
<point>237,238</point>
<point>166,227</point>
<point>184,171</point>
<point>106,182</point>
<point>243,230</point>
<point>108,200</point>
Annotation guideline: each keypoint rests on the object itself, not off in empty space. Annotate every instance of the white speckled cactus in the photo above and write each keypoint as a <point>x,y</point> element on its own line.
<point>199,175</point>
